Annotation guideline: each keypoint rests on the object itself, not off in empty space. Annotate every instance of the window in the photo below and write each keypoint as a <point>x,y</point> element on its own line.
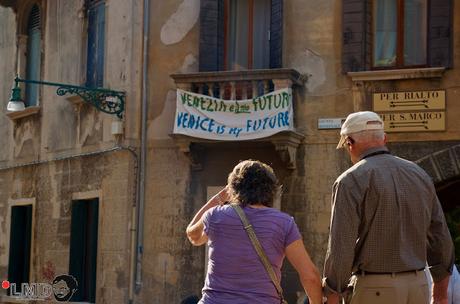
<point>247,30</point>
<point>240,35</point>
<point>20,244</point>
<point>95,51</point>
<point>33,54</point>
<point>399,33</point>
<point>394,34</point>
<point>83,248</point>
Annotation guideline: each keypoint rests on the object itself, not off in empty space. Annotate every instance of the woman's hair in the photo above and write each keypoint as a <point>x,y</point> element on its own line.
<point>253,182</point>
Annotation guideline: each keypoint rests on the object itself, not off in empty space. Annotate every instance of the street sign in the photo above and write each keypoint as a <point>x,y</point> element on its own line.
<point>410,101</point>
<point>414,121</point>
<point>330,123</point>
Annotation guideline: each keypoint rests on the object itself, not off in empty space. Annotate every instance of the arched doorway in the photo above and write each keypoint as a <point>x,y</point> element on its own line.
<point>449,194</point>
<point>444,167</point>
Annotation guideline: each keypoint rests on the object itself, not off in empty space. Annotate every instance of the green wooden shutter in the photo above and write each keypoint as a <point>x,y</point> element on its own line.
<point>91,265</point>
<point>78,247</point>
<point>355,35</point>
<point>100,29</point>
<point>33,56</point>
<point>96,41</point>
<point>440,34</point>
<point>276,34</point>
<point>83,248</point>
<point>211,56</point>
<point>20,245</point>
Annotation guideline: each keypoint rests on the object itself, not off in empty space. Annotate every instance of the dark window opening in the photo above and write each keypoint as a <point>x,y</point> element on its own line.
<point>20,245</point>
<point>83,248</point>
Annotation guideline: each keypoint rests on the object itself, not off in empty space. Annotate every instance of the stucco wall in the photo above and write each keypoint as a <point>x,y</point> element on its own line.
<point>62,127</point>
<point>57,155</point>
<point>172,268</point>
<point>8,52</point>
<point>174,44</point>
<point>312,51</point>
<point>311,45</point>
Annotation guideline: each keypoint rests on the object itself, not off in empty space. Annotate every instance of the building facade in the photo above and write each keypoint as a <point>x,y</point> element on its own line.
<point>69,169</point>
<point>133,184</point>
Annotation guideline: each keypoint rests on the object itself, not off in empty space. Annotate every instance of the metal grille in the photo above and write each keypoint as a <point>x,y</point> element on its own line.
<point>34,18</point>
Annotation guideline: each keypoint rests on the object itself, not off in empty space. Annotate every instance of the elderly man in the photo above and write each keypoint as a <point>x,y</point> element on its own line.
<point>386,225</point>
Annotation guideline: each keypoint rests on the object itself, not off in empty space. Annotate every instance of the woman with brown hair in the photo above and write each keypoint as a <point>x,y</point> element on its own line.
<point>236,273</point>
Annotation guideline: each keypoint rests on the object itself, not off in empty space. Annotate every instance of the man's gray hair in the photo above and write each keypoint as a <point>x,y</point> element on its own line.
<point>368,136</point>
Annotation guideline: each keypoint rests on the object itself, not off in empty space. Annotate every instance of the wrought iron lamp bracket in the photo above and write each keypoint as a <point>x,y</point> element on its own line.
<point>105,100</point>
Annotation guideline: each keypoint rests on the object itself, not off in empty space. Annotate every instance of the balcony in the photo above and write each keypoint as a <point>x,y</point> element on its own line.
<point>241,85</point>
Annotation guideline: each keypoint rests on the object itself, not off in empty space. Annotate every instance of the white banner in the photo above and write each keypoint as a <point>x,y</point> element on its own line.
<point>213,118</point>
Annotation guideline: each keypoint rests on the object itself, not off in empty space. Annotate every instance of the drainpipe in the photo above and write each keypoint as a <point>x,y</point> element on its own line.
<point>138,211</point>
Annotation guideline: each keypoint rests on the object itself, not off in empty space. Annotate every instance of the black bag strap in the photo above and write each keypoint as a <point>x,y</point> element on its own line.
<point>260,251</point>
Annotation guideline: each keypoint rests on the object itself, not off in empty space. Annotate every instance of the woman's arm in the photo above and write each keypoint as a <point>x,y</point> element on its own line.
<point>308,273</point>
<point>195,230</point>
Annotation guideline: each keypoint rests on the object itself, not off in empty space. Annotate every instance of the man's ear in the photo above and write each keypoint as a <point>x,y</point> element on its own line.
<point>350,141</point>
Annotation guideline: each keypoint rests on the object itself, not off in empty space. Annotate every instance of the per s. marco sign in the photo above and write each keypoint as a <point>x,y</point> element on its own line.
<point>218,119</point>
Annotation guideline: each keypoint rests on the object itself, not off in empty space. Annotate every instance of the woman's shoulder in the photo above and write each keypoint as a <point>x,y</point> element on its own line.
<point>220,211</point>
<point>267,212</point>
<point>280,213</point>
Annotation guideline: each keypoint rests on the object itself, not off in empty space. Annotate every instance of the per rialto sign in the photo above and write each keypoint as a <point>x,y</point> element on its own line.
<point>213,118</point>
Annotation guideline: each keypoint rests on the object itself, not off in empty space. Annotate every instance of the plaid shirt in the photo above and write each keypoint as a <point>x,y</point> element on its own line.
<point>386,217</point>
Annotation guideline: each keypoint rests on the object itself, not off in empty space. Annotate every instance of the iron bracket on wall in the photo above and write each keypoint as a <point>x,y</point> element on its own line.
<point>105,100</point>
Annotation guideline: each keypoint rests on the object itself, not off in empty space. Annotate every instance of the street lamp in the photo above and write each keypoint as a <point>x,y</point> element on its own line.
<point>105,100</point>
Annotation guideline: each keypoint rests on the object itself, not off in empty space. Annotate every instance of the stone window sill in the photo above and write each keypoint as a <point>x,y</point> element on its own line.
<point>29,111</point>
<point>397,74</point>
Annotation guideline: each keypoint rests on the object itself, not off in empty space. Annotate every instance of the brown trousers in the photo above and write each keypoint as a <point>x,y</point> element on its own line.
<point>402,288</point>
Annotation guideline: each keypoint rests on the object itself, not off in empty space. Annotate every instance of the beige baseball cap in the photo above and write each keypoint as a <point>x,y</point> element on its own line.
<point>357,122</point>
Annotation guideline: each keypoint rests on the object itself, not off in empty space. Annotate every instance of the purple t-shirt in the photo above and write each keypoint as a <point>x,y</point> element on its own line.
<point>235,273</point>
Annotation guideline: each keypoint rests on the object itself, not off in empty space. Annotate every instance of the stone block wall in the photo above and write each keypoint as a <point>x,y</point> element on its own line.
<point>169,269</point>
<point>51,187</point>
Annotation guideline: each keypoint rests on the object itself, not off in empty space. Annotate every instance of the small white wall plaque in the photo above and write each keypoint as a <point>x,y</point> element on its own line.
<point>330,123</point>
